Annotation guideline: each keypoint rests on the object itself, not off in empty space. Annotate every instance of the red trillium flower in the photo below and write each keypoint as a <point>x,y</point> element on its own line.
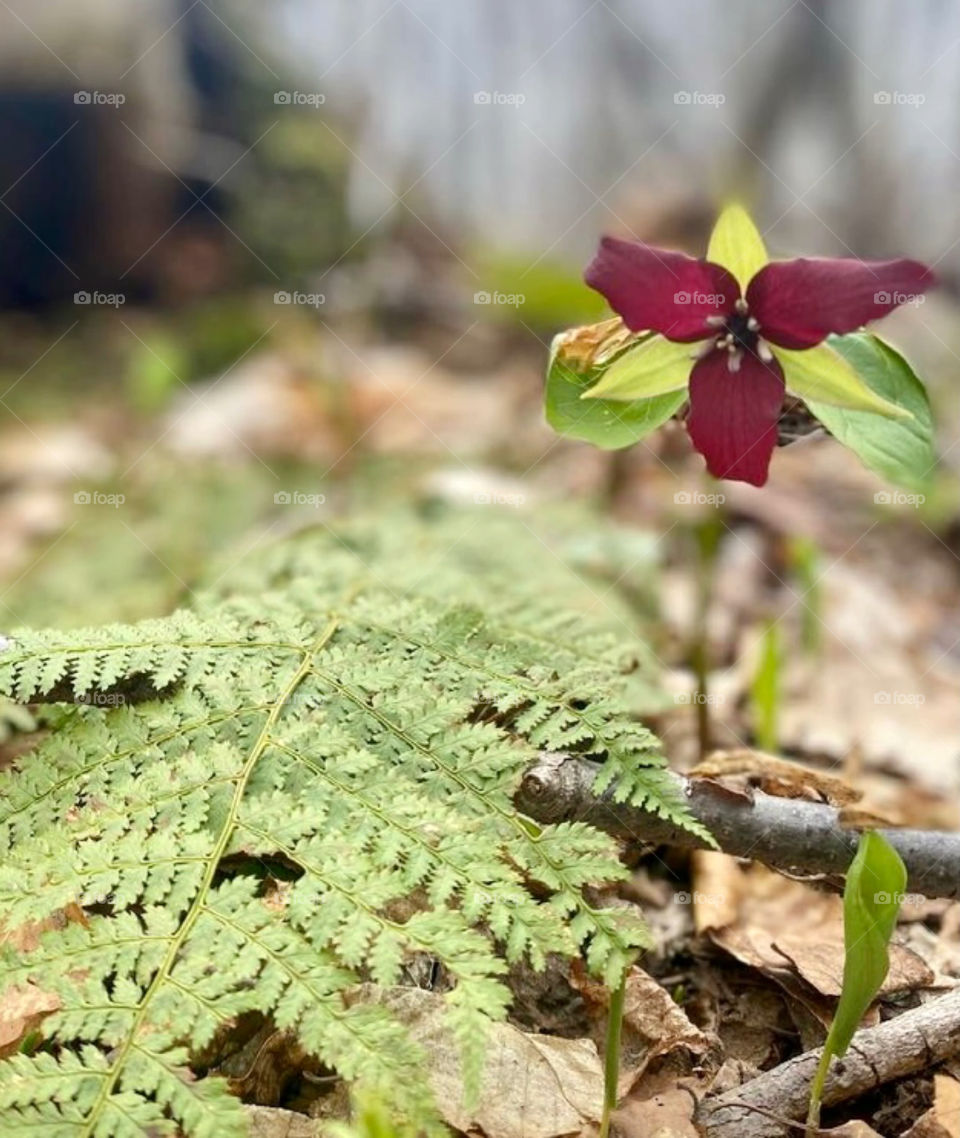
<point>762,325</point>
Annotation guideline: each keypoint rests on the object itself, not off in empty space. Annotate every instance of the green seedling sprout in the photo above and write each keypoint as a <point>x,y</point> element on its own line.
<point>875,883</point>
<point>766,689</point>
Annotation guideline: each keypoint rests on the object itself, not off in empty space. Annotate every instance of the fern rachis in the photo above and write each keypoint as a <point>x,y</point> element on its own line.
<point>369,738</point>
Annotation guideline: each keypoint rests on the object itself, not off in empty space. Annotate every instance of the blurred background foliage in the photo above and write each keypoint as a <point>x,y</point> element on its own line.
<point>267,267</point>
<point>261,267</point>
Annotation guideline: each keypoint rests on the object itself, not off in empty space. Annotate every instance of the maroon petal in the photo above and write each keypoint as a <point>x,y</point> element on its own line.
<point>799,303</point>
<point>733,415</point>
<point>660,290</point>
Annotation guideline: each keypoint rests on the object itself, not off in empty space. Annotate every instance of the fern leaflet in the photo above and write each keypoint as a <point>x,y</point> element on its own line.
<point>352,710</point>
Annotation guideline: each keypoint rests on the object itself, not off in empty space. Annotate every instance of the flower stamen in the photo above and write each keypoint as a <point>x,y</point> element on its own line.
<point>738,332</point>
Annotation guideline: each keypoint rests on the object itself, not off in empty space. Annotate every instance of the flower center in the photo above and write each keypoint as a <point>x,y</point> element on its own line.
<point>742,330</point>
<point>738,333</point>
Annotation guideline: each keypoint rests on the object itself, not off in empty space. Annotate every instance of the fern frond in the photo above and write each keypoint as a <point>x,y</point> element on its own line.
<point>355,710</point>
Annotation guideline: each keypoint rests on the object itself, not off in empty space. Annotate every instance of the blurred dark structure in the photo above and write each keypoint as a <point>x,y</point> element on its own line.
<point>108,175</point>
<point>265,142</point>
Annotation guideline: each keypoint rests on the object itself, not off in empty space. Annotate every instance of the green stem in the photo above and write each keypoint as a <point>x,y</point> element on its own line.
<point>617,478</point>
<point>611,1062</point>
<point>707,535</point>
<point>816,1093</point>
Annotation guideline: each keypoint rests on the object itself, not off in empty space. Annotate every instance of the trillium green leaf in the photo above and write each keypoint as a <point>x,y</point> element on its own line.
<point>823,374</point>
<point>652,367</point>
<point>874,888</point>
<point>900,450</point>
<point>736,244</point>
<point>606,423</point>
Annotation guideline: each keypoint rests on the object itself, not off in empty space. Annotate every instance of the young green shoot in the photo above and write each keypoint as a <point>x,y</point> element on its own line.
<point>611,1059</point>
<point>804,559</point>
<point>707,534</point>
<point>871,899</point>
<point>766,690</point>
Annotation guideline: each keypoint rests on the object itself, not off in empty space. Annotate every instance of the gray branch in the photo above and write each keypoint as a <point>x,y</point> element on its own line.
<point>914,1041</point>
<point>789,834</point>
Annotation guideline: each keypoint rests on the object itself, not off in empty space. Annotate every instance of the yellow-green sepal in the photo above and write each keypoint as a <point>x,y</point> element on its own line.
<point>820,374</point>
<point>736,244</point>
<point>654,367</point>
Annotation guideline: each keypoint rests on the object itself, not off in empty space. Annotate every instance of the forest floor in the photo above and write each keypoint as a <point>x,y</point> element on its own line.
<point>832,631</point>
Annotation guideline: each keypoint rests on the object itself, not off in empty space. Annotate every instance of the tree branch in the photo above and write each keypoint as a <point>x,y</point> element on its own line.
<point>912,1042</point>
<point>789,834</point>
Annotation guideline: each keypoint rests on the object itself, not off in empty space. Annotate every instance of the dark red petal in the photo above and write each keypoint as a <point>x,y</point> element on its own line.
<point>799,303</point>
<point>733,415</point>
<point>664,291</point>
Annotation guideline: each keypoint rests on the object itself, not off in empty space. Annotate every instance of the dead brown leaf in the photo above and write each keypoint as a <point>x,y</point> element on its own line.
<point>784,925</point>
<point>26,937</point>
<point>666,1115</point>
<point>404,402</point>
<point>858,818</point>
<point>946,1103</point>
<point>22,1010</point>
<point>271,1122</point>
<point>279,1057</point>
<point>661,1104</point>
<point>53,454</point>
<point>820,963</point>
<point>718,887</point>
<point>777,776</point>
<point>533,1086</point>
<point>653,1023</point>
<point>266,404</point>
<point>593,343</point>
<point>838,703</point>
<point>942,1120</point>
<point>23,1007</point>
<point>854,1129</point>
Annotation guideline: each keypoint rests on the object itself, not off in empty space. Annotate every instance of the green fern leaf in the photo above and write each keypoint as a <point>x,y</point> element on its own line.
<point>351,714</point>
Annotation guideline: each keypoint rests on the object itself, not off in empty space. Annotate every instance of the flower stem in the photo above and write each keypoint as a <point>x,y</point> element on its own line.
<point>611,1062</point>
<point>707,535</point>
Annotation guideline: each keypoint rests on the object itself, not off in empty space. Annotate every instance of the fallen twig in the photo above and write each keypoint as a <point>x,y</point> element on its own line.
<point>912,1042</point>
<point>789,834</point>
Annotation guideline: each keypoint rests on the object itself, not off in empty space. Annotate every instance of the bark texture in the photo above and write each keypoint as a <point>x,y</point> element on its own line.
<point>913,1042</point>
<point>789,834</point>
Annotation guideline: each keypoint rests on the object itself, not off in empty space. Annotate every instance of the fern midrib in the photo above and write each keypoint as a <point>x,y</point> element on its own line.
<point>30,968</point>
<point>184,790</point>
<point>482,669</point>
<point>130,645</point>
<point>314,870</point>
<point>183,729</point>
<point>90,873</point>
<point>321,998</point>
<point>386,819</point>
<point>512,820</point>
<point>188,994</point>
<point>526,634</point>
<point>216,855</point>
